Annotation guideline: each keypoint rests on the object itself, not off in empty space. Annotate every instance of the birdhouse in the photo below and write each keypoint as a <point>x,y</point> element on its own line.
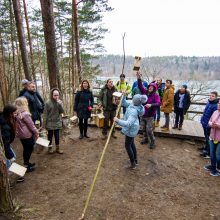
<point>137,63</point>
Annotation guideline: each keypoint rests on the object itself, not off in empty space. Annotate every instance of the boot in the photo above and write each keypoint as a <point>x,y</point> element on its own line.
<point>157,124</point>
<point>152,144</point>
<point>58,150</point>
<point>165,128</point>
<point>175,126</point>
<point>81,136</point>
<point>85,132</point>
<point>144,141</point>
<point>50,149</point>
<point>180,127</point>
<point>113,135</point>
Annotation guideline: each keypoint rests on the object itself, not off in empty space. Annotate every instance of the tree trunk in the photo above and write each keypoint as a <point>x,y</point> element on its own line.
<point>13,51</point>
<point>29,41</point>
<point>6,202</point>
<point>21,38</point>
<point>3,82</point>
<point>50,42</point>
<point>76,34</point>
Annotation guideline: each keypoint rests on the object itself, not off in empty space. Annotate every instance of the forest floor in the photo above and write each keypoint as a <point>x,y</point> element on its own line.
<point>169,183</point>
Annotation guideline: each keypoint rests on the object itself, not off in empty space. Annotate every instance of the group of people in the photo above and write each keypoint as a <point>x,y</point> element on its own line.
<point>20,119</point>
<point>148,101</point>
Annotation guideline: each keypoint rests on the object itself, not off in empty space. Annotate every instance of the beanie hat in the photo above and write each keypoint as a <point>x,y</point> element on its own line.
<point>184,86</point>
<point>122,75</point>
<point>139,99</point>
<point>24,81</point>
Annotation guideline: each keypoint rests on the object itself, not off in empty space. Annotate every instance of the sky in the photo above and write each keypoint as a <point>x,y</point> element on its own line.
<point>163,27</point>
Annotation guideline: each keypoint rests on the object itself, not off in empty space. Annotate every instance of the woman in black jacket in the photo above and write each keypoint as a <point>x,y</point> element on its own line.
<point>8,125</point>
<point>83,106</point>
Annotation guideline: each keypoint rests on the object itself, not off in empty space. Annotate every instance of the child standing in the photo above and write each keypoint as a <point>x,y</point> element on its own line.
<point>130,125</point>
<point>211,106</point>
<point>214,142</point>
<point>26,131</point>
<point>52,119</point>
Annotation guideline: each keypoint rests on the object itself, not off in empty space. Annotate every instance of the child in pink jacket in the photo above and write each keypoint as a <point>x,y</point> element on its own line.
<point>26,131</point>
<point>214,124</point>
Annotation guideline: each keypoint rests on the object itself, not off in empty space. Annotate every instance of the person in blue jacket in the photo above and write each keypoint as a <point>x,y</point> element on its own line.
<point>211,106</point>
<point>130,125</point>
<point>135,89</point>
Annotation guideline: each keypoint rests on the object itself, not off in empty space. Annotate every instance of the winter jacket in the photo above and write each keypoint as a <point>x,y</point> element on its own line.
<point>25,126</point>
<point>153,99</point>
<point>52,119</point>
<point>160,89</point>
<point>83,100</point>
<point>8,136</point>
<point>103,98</point>
<point>211,106</point>
<point>215,132</point>
<point>130,122</point>
<point>135,84</point>
<point>168,100</point>
<point>123,87</point>
<point>186,101</point>
<point>35,103</point>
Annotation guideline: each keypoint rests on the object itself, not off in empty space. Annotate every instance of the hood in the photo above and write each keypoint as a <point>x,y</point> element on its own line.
<point>51,93</point>
<point>216,101</point>
<point>171,87</point>
<point>140,109</point>
<point>154,85</point>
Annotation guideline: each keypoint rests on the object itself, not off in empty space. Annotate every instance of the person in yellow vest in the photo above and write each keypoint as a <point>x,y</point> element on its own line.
<point>124,87</point>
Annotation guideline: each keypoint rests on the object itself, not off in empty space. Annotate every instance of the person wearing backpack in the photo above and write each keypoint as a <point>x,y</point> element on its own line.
<point>26,131</point>
<point>124,87</point>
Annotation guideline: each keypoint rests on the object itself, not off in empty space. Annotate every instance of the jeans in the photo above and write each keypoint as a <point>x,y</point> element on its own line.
<point>83,125</point>
<point>28,147</point>
<point>149,133</point>
<point>131,149</point>
<point>8,162</point>
<point>109,116</point>
<point>207,134</point>
<point>157,116</point>
<point>56,134</point>
<point>215,154</point>
<point>167,119</point>
<point>179,116</point>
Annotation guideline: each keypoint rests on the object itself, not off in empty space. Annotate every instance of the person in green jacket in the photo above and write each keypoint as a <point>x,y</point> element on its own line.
<point>52,119</point>
<point>124,87</point>
<point>108,104</point>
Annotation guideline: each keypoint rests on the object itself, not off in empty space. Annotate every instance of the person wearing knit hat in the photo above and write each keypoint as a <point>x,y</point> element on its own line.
<point>130,125</point>
<point>181,105</point>
<point>24,83</point>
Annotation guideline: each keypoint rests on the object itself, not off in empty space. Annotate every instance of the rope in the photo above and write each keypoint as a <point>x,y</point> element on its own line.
<point>100,163</point>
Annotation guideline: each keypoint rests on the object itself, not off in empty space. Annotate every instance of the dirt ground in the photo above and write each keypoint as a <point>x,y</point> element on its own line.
<point>170,182</point>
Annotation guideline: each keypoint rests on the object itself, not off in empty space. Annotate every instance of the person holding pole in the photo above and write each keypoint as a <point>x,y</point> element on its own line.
<point>130,125</point>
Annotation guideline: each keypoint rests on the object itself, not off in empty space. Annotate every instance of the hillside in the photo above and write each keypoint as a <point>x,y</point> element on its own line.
<point>206,68</point>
